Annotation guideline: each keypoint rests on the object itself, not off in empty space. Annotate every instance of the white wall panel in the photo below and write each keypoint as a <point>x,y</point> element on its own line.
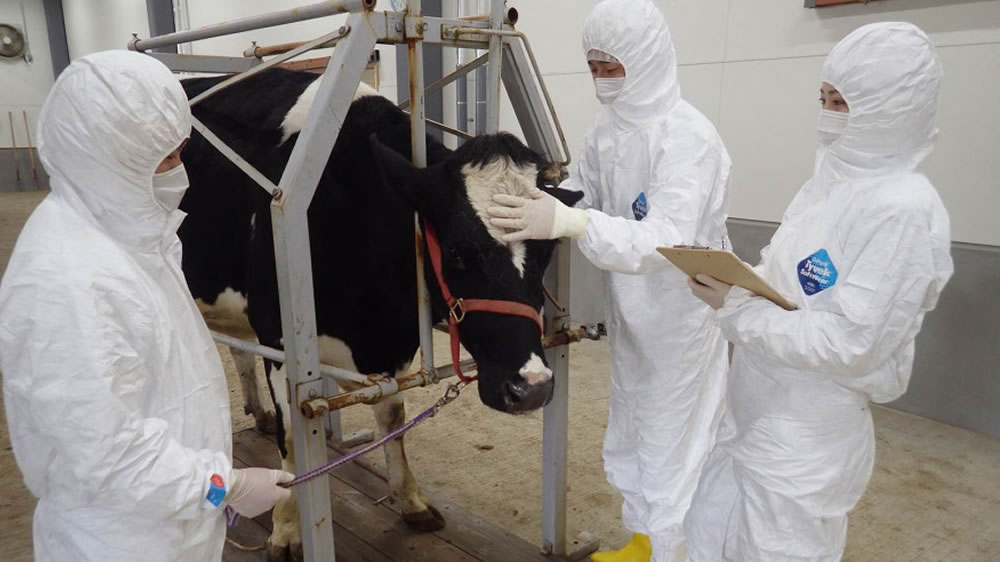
<point>555,28</point>
<point>768,122</point>
<point>100,25</point>
<point>701,86</point>
<point>781,28</point>
<point>698,28</point>
<point>965,164</point>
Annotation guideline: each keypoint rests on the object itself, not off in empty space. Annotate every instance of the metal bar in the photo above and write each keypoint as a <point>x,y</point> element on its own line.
<point>376,390</point>
<point>493,82</point>
<point>31,149</point>
<point>55,25</point>
<point>13,147</point>
<point>302,13</point>
<point>309,45</point>
<point>555,440</point>
<point>205,63</point>
<point>381,389</point>
<point>523,92</point>
<point>289,218</point>
<point>235,158</point>
<point>279,356</point>
<point>418,151</point>
<point>160,14</point>
<point>444,81</point>
<point>281,48</point>
<point>450,130</point>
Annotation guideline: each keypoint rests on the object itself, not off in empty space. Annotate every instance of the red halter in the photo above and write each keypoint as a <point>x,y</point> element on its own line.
<point>457,308</point>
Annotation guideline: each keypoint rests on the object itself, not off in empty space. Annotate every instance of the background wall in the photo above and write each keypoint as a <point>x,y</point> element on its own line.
<point>23,85</point>
<point>754,69</point>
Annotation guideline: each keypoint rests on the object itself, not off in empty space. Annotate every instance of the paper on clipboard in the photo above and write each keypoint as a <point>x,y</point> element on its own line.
<point>726,267</point>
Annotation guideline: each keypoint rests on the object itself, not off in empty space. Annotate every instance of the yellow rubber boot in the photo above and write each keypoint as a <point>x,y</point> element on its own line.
<point>637,550</point>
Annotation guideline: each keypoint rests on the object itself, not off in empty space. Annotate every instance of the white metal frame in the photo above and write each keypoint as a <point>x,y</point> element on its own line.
<point>509,63</point>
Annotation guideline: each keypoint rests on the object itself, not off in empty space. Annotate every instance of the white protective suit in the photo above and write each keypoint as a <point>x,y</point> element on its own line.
<point>116,400</point>
<point>654,172</point>
<point>864,249</point>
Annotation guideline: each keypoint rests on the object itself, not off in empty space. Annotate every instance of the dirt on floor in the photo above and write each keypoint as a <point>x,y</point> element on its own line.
<point>935,493</point>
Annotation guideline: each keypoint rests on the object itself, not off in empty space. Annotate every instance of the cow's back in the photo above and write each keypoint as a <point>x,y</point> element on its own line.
<point>360,231</point>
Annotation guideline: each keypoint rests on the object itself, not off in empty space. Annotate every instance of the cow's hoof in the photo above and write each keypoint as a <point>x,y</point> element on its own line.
<point>266,423</point>
<point>286,553</point>
<point>426,521</point>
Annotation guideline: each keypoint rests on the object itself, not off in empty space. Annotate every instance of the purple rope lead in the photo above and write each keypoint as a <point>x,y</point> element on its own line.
<point>451,393</point>
<point>319,471</point>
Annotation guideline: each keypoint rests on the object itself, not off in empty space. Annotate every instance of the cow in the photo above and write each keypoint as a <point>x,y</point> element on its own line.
<point>363,260</point>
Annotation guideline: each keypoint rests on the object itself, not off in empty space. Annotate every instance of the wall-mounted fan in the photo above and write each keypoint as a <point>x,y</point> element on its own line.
<point>12,43</point>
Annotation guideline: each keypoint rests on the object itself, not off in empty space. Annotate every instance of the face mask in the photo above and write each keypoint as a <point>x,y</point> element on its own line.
<point>608,88</point>
<point>169,187</point>
<point>831,125</point>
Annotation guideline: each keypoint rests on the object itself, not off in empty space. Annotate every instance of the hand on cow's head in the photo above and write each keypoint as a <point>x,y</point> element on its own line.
<point>453,195</point>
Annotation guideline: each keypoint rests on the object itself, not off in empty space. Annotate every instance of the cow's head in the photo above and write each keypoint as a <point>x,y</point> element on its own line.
<point>453,196</point>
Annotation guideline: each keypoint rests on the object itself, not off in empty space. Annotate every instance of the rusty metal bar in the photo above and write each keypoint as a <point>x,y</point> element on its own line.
<point>386,386</point>
<point>450,130</point>
<point>282,48</point>
<point>342,32</point>
<point>510,17</point>
<point>279,356</point>
<point>380,388</point>
<point>302,13</point>
<point>451,77</point>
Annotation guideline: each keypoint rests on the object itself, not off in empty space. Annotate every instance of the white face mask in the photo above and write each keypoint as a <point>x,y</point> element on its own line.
<point>831,125</point>
<point>608,88</point>
<point>169,187</point>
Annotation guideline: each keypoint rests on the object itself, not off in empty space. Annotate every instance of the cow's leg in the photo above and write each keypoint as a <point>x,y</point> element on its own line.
<point>416,510</point>
<point>246,366</point>
<point>285,542</point>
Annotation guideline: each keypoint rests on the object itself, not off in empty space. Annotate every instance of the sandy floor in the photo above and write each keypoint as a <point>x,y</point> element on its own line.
<point>935,495</point>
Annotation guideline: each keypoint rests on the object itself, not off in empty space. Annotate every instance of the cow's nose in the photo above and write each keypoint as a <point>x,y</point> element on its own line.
<point>520,396</point>
<point>534,371</point>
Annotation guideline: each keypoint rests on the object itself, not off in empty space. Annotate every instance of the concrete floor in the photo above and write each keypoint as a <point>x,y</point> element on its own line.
<point>935,494</point>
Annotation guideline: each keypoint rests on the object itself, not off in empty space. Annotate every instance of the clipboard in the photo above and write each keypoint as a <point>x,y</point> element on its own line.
<point>726,267</point>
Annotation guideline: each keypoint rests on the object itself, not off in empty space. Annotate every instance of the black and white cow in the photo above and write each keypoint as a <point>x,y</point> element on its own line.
<point>362,242</point>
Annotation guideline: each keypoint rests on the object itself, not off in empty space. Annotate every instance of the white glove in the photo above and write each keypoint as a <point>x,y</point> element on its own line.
<point>538,217</point>
<point>710,290</point>
<point>253,491</point>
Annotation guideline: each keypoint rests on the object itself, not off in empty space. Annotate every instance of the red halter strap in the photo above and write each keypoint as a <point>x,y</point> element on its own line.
<point>458,308</point>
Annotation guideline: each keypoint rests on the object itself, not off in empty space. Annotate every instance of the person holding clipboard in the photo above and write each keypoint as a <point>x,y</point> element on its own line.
<point>654,172</point>
<point>864,252</point>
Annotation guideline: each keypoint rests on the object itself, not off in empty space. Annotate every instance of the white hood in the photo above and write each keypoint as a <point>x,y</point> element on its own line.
<point>890,76</point>
<point>108,122</point>
<point>635,33</point>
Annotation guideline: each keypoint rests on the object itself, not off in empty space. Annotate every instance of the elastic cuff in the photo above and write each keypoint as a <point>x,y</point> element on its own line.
<point>569,222</point>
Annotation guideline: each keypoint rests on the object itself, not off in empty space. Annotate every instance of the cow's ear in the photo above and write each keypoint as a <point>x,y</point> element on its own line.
<point>411,183</point>
<point>565,196</point>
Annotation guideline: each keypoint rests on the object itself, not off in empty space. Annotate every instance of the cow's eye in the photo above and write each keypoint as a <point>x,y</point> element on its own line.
<point>455,259</point>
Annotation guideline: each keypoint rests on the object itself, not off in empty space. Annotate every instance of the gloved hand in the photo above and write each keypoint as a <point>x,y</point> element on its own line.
<point>710,290</point>
<point>253,491</point>
<point>537,217</point>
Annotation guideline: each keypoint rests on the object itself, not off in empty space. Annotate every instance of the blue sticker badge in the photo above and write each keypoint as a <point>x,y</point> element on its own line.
<point>640,207</point>
<point>216,490</point>
<point>817,273</point>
